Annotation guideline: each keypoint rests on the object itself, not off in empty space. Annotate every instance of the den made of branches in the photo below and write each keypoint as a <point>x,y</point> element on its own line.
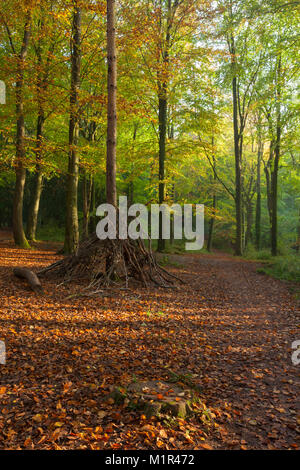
<point>104,263</point>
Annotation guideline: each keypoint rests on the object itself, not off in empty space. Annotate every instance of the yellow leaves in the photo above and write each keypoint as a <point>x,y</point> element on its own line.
<point>163,434</point>
<point>159,443</point>
<point>58,424</point>
<point>37,418</point>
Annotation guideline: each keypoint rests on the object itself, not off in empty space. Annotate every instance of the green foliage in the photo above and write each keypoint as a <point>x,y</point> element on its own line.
<point>200,129</point>
<point>51,233</point>
<point>283,267</point>
<point>252,254</point>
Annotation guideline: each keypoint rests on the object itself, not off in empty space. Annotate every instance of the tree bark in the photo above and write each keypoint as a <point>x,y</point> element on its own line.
<point>274,175</point>
<point>111,189</point>
<point>258,190</point>
<point>20,170</point>
<point>72,229</point>
<point>237,154</point>
<point>41,87</point>
<point>298,235</point>
<point>38,181</point>
<point>162,120</point>
<point>214,205</point>
<point>249,221</point>
<point>268,170</point>
<point>87,198</point>
<point>162,116</point>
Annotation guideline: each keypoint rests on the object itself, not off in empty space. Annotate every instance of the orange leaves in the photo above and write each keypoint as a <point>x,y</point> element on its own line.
<point>67,387</point>
<point>205,446</point>
<point>28,442</point>
<point>56,396</point>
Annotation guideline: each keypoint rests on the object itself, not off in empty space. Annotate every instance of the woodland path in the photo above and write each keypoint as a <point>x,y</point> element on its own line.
<point>228,328</point>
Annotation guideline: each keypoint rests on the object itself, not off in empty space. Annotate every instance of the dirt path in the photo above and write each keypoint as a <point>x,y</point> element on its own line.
<point>251,324</point>
<point>228,328</point>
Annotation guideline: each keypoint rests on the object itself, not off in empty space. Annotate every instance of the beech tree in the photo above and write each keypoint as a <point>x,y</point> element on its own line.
<point>72,228</point>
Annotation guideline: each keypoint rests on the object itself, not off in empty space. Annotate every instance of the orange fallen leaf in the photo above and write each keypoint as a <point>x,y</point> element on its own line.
<point>206,446</point>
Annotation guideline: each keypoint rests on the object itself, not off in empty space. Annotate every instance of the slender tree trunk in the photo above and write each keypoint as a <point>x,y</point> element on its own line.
<point>111,189</point>
<point>268,172</point>
<point>211,224</point>
<point>87,198</point>
<point>38,182</point>
<point>38,176</point>
<point>130,189</point>
<point>298,235</point>
<point>214,205</point>
<point>274,179</point>
<point>162,117</point>
<point>162,124</point>
<point>258,191</point>
<point>72,229</point>
<point>87,187</point>
<point>249,221</point>
<point>20,170</point>
<point>237,153</point>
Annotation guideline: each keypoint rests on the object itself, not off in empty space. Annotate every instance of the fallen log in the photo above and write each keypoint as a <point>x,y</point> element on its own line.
<point>31,278</point>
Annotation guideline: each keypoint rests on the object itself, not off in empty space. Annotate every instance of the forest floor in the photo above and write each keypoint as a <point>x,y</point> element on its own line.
<point>228,329</point>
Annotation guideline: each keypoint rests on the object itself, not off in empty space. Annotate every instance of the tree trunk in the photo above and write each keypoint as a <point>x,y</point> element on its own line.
<point>298,235</point>
<point>20,170</point>
<point>111,189</point>
<point>41,88</point>
<point>87,198</point>
<point>268,167</point>
<point>162,115</point>
<point>249,221</point>
<point>258,191</point>
<point>38,181</point>
<point>35,204</point>
<point>274,179</point>
<point>72,230</point>
<point>162,121</point>
<point>214,205</point>
<point>237,154</point>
